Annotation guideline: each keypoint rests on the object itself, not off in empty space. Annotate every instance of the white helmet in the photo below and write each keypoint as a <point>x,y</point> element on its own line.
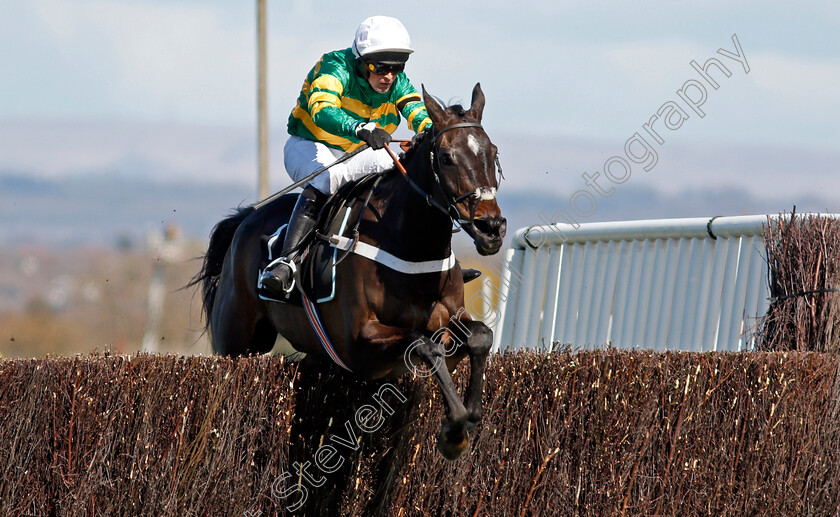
<point>382,34</point>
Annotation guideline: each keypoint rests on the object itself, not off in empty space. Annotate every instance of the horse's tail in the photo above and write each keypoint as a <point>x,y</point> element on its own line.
<point>220,240</point>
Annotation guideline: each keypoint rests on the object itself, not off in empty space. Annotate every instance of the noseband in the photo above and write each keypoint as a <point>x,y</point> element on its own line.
<point>480,193</point>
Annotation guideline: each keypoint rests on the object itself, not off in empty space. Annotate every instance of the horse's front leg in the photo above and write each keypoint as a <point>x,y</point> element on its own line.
<point>454,438</point>
<point>479,341</point>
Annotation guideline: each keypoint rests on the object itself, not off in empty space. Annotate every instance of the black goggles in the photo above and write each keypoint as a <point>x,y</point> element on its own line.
<point>384,68</point>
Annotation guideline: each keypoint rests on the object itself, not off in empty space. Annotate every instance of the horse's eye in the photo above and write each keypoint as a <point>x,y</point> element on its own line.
<point>445,159</point>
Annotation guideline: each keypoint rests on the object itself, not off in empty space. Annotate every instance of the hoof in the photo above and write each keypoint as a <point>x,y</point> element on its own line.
<point>451,443</point>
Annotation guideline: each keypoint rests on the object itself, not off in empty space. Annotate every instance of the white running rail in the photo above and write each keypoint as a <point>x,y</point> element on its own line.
<point>695,284</point>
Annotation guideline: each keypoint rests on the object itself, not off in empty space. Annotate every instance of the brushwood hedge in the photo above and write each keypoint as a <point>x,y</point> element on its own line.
<point>591,433</point>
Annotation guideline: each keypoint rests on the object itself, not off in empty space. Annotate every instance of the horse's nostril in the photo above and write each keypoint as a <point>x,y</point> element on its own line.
<point>481,225</point>
<point>491,225</point>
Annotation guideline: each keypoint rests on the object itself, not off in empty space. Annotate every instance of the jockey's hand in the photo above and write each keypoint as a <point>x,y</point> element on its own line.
<point>375,137</point>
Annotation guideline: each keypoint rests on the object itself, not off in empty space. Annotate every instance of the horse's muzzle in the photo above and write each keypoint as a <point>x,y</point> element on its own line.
<point>488,233</point>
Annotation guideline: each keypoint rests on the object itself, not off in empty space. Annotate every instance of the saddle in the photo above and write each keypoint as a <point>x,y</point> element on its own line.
<point>316,275</point>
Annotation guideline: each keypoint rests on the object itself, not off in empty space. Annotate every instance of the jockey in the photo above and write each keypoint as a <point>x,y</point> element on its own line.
<point>350,98</point>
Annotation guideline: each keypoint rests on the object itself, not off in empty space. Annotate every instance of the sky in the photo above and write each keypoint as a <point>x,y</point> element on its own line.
<point>74,74</point>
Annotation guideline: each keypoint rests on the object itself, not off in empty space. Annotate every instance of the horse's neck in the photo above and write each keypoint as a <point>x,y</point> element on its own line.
<point>419,231</point>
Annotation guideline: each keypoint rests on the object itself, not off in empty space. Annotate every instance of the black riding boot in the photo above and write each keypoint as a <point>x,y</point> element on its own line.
<point>470,274</point>
<point>278,276</point>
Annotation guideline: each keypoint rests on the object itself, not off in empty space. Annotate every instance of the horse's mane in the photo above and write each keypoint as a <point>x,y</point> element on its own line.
<point>415,144</point>
<point>457,109</point>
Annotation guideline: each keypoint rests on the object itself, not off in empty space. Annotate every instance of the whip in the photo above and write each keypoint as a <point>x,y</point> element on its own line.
<point>296,184</point>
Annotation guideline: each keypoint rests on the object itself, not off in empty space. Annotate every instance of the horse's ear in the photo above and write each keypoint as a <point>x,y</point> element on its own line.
<point>477,104</point>
<point>434,109</point>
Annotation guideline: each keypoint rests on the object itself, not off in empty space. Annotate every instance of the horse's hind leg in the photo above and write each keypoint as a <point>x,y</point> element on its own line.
<point>264,336</point>
<point>237,328</point>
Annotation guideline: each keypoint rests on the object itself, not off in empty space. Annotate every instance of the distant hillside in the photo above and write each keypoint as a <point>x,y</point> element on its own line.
<point>106,209</point>
<point>101,209</point>
<point>640,202</point>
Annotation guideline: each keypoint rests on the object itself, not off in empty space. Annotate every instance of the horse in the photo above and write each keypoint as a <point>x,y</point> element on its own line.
<point>382,322</point>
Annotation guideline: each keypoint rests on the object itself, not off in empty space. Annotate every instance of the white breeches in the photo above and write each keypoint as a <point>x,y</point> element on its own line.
<point>303,157</point>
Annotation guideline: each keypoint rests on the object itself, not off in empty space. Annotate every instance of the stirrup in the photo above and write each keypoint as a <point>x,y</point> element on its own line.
<point>293,269</point>
<point>276,262</point>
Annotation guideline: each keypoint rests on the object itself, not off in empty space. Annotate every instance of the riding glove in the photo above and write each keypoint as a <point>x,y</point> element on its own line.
<point>374,136</point>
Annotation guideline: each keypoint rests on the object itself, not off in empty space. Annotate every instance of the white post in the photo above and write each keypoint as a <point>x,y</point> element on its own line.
<point>165,248</point>
<point>262,101</point>
<point>154,309</point>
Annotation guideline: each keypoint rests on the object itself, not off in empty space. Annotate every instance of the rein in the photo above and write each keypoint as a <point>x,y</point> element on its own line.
<point>429,199</point>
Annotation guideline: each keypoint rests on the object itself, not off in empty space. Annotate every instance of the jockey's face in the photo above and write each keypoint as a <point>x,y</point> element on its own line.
<point>381,83</point>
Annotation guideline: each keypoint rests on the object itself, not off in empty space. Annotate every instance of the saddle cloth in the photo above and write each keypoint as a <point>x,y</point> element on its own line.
<point>316,270</point>
<point>317,267</point>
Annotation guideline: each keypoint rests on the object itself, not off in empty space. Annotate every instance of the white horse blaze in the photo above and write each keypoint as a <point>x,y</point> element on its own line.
<point>481,194</point>
<point>472,143</point>
<point>485,195</point>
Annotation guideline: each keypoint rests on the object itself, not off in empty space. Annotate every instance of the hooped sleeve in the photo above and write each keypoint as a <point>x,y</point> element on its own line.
<point>324,102</point>
<point>411,106</point>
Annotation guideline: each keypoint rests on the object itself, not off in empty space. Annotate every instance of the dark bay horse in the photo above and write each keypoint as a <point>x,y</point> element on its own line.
<point>382,322</point>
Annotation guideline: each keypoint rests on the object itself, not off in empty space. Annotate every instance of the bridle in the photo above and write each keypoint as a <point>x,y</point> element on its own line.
<point>451,211</point>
